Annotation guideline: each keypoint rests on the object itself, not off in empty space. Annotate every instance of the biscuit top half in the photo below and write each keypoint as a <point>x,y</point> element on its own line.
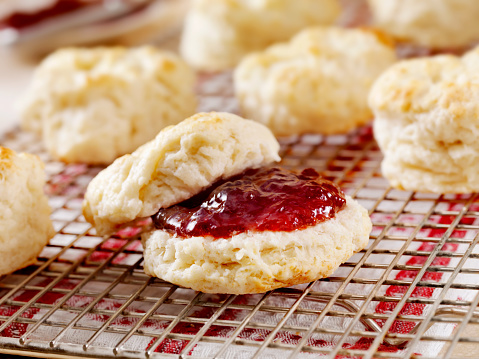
<point>180,162</point>
<point>24,207</point>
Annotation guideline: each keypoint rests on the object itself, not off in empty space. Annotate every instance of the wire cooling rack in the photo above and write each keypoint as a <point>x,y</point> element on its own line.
<point>412,292</point>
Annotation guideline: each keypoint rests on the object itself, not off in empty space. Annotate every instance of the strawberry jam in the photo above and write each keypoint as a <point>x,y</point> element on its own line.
<point>267,199</point>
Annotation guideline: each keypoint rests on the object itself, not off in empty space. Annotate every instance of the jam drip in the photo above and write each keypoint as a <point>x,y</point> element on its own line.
<point>267,199</point>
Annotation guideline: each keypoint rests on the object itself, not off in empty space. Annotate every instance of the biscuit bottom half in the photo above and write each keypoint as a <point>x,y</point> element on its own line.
<point>255,262</point>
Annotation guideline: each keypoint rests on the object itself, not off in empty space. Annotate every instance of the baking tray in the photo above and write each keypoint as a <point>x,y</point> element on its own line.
<point>411,292</point>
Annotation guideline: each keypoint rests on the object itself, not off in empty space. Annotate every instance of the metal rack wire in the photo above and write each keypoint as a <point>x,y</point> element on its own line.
<point>413,291</point>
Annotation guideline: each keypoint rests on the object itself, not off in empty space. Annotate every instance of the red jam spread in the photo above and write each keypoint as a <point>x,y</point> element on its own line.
<point>267,199</point>
<point>22,20</point>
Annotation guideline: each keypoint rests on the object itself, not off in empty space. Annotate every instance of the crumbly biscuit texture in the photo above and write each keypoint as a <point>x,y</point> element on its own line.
<point>427,123</point>
<point>431,23</point>
<point>25,213</point>
<point>180,162</point>
<point>218,33</point>
<point>93,105</point>
<point>318,82</point>
<point>255,262</point>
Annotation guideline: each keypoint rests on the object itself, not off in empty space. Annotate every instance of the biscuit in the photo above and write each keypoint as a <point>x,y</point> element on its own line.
<point>218,33</point>
<point>25,213</point>
<point>318,82</point>
<point>180,162</point>
<point>93,105</point>
<point>191,157</point>
<point>255,262</point>
<point>431,23</point>
<point>427,123</point>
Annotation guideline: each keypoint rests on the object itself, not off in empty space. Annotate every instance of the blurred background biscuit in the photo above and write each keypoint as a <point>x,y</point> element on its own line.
<point>24,210</point>
<point>93,105</point>
<point>318,82</point>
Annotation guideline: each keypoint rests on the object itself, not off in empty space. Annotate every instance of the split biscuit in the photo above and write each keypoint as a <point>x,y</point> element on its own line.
<point>184,160</point>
